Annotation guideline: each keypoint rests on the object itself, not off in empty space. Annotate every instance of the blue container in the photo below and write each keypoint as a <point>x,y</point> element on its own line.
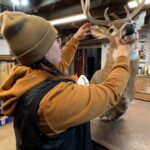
<point>4,120</point>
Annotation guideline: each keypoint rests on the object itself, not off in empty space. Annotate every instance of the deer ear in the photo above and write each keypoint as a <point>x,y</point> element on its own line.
<point>140,19</point>
<point>98,32</point>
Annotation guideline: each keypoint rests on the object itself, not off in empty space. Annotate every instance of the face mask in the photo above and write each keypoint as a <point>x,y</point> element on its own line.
<point>54,53</point>
<point>134,55</point>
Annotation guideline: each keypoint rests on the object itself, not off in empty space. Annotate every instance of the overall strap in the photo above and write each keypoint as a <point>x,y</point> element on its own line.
<point>45,87</point>
<point>28,105</point>
<point>29,136</point>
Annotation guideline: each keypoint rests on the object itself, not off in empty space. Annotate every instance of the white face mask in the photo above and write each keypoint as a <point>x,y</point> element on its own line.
<point>54,53</point>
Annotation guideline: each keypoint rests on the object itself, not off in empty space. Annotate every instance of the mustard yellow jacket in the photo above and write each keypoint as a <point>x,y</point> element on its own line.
<point>67,104</point>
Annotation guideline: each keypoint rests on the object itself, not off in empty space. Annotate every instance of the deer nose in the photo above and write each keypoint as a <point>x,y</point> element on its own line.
<point>130,29</point>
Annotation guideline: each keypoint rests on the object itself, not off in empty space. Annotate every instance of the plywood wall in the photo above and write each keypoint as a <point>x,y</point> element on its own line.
<point>5,67</point>
<point>4,48</point>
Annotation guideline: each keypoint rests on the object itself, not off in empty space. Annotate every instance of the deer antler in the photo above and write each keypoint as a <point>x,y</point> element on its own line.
<point>130,15</point>
<point>106,15</point>
<point>127,12</point>
<point>107,21</point>
<point>85,8</point>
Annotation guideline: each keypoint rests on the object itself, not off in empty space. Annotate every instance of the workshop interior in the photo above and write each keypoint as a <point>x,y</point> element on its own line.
<point>127,125</point>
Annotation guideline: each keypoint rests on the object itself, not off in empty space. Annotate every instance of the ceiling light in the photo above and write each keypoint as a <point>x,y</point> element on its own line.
<point>68,19</point>
<point>24,2</point>
<point>132,4</point>
<point>146,2</point>
<point>16,2</point>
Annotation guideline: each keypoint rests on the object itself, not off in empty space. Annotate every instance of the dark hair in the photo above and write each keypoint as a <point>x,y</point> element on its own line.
<point>45,65</point>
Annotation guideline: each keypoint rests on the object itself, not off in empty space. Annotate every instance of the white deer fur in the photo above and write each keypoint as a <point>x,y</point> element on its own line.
<point>102,31</point>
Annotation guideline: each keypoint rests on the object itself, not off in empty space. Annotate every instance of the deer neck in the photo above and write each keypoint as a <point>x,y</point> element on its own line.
<point>129,91</point>
<point>111,56</point>
<point>110,59</point>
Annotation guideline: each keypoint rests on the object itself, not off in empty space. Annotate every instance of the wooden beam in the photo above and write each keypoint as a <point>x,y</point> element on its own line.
<point>97,13</point>
<point>7,58</point>
<point>96,9</point>
<point>54,14</point>
<point>42,3</point>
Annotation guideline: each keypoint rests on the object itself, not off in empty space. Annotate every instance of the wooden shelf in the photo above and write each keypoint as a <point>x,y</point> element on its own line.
<point>6,58</point>
<point>142,88</point>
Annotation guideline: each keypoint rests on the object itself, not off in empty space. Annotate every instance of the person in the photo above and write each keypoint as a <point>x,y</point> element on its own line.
<point>50,110</point>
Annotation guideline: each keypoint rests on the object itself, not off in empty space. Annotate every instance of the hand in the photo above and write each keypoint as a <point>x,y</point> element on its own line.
<point>83,31</point>
<point>126,49</point>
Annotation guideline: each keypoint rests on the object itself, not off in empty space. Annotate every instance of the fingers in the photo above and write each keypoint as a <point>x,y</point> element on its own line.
<point>117,41</point>
<point>86,25</point>
<point>86,28</point>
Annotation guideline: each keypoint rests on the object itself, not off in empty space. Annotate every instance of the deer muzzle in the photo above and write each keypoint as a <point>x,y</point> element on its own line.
<point>129,34</point>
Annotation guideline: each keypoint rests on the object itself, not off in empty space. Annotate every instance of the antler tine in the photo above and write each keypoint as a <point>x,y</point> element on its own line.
<point>125,19</point>
<point>127,12</point>
<point>82,5</point>
<point>85,8</point>
<point>136,11</point>
<point>106,15</point>
<point>130,16</point>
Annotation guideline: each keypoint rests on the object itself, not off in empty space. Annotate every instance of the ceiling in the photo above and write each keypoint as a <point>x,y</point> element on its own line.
<point>53,9</point>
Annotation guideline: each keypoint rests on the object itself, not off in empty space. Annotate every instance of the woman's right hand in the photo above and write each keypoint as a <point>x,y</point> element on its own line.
<point>125,49</point>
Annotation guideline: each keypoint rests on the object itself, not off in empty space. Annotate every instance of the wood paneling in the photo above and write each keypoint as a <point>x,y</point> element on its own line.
<point>142,88</point>
<point>5,68</point>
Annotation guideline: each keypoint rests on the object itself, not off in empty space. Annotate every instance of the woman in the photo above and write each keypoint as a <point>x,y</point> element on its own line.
<point>52,112</point>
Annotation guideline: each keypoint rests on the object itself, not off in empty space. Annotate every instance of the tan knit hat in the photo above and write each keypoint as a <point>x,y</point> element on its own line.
<point>29,37</point>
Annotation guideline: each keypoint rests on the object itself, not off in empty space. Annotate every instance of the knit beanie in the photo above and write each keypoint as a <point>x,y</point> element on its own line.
<point>29,37</point>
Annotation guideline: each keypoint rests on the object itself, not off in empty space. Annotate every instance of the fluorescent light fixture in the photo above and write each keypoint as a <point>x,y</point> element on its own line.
<point>16,2</point>
<point>68,19</point>
<point>24,2</point>
<point>134,3</point>
<point>146,2</point>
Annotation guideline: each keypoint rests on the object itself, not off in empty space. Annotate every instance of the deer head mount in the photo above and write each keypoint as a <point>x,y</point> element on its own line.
<point>127,31</point>
<point>126,28</point>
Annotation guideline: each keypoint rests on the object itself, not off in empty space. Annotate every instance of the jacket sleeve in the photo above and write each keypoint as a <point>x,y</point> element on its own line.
<point>68,53</point>
<point>71,104</point>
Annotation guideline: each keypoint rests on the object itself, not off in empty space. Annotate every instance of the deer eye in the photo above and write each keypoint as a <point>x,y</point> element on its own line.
<point>111,30</point>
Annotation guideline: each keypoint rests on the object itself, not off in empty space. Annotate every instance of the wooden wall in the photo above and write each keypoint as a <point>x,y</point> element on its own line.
<point>5,67</point>
<point>142,88</point>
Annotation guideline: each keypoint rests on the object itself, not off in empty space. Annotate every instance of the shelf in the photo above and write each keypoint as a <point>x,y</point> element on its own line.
<point>6,58</point>
<point>142,88</point>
